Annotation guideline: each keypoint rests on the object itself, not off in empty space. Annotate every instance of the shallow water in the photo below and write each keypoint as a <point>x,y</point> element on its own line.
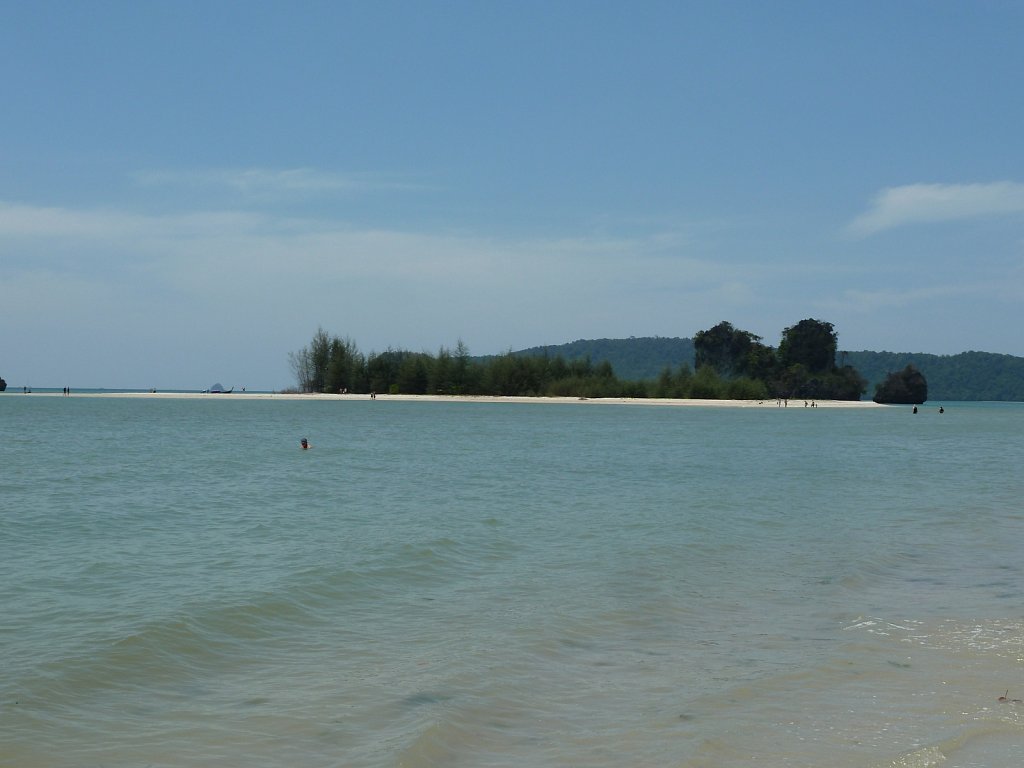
<point>447,584</point>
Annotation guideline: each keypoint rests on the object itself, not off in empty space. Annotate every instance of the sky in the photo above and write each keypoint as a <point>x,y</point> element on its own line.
<point>189,190</point>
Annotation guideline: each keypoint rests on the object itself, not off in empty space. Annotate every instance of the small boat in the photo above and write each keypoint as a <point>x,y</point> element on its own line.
<point>218,389</point>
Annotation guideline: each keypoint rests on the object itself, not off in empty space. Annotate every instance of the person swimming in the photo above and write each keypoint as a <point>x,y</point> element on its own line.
<point>304,443</point>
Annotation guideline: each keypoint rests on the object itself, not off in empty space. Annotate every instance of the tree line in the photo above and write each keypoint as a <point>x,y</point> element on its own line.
<point>333,364</point>
<point>962,376</point>
<point>804,364</point>
<point>729,364</point>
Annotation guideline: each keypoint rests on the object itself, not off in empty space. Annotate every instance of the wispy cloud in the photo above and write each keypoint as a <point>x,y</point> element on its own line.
<point>265,183</point>
<point>284,273</point>
<point>869,302</point>
<point>191,232</point>
<point>28,221</point>
<point>94,225</point>
<point>192,250</point>
<point>924,203</point>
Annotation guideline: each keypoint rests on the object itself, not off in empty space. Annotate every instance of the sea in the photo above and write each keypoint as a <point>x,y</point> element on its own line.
<point>508,584</point>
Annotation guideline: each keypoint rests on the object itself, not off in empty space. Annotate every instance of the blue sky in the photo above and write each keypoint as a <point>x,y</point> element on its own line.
<point>189,190</point>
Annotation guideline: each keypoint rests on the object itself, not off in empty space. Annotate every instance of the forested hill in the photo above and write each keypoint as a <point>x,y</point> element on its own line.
<point>966,376</point>
<point>633,359</point>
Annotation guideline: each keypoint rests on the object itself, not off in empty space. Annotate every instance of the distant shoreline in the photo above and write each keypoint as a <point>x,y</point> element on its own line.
<point>313,397</point>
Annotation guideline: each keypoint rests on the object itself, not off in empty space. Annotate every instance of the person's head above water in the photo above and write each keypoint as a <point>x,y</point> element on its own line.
<point>304,443</point>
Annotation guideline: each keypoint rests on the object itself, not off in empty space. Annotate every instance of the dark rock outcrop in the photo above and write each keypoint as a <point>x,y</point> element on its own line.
<point>907,387</point>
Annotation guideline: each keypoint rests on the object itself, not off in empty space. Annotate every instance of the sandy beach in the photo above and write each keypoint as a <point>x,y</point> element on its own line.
<point>484,399</point>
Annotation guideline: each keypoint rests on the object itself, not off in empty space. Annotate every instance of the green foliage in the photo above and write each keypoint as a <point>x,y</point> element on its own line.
<point>343,364</point>
<point>837,384</point>
<point>311,364</point>
<point>382,370</point>
<point>810,343</point>
<point>331,364</point>
<point>671,385</point>
<point>846,383</point>
<point>762,364</point>
<point>442,373</point>
<point>746,389</point>
<point>706,384</point>
<point>413,374</point>
<point>465,375</point>
<point>965,376</point>
<point>905,387</point>
<point>726,349</point>
<point>805,365</point>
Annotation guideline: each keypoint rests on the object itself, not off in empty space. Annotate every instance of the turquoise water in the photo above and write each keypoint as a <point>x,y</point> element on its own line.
<point>473,584</point>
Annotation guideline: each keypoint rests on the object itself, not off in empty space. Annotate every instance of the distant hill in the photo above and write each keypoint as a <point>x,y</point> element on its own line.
<point>965,376</point>
<point>633,359</point>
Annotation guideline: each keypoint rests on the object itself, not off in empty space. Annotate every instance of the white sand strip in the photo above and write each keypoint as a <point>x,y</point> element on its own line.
<point>488,399</point>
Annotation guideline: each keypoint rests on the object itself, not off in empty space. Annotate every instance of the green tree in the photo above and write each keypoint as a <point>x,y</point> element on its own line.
<point>343,364</point>
<point>725,348</point>
<point>302,369</point>
<point>320,356</point>
<point>792,382</point>
<point>663,384</point>
<point>412,376</point>
<point>581,367</point>
<point>762,364</point>
<point>467,373</point>
<point>706,384</point>
<point>745,388</point>
<point>810,343</point>
<point>310,363</point>
<point>682,382</point>
<point>504,376</point>
<point>557,368</point>
<point>442,373</point>
<point>382,369</point>
<point>847,384</point>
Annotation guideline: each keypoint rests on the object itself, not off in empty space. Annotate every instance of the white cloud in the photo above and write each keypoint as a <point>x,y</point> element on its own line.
<point>321,248</point>
<point>265,183</point>
<point>150,283</point>
<point>869,302</point>
<point>93,225</point>
<point>923,203</point>
<point>32,221</point>
<point>264,266</point>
